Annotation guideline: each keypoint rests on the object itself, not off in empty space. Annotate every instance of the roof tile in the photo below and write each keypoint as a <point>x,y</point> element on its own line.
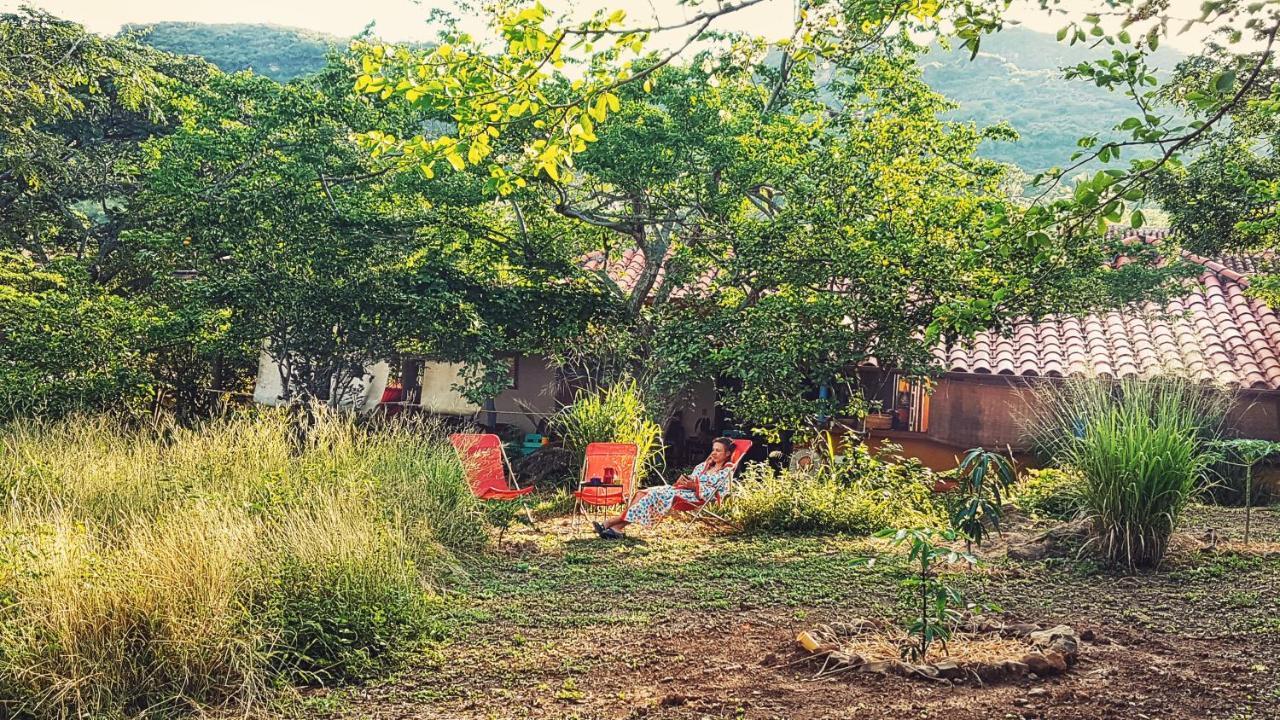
<point>1216,332</point>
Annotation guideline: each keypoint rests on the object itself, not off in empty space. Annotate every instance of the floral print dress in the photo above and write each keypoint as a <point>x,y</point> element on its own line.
<point>656,503</point>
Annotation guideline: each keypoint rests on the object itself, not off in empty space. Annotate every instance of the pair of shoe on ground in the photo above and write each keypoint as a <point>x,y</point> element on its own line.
<point>607,533</point>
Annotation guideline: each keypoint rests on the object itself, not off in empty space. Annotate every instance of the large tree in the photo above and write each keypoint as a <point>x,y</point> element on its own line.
<point>781,231</point>
<point>74,111</point>
<point>330,258</point>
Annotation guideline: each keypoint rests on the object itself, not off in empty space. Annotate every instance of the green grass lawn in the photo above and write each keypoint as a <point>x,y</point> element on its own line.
<point>563,625</point>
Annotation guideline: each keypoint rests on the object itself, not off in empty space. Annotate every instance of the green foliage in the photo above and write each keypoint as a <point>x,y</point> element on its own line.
<point>1002,84</point>
<point>66,344</point>
<point>1008,81</point>
<point>938,605</point>
<point>335,261</point>
<point>1143,450</point>
<point>856,494</point>
<point>1246,453</point>
<point>1233,471</point>
<point>519,95</point>
<point>983,476</point>
<point>149,572</point>
<point>1049,492</point>
<point>1214,101</point>
<point>345,600</point>
<point>72,108</point>
<point>776,274</point>
<point>612,414</point>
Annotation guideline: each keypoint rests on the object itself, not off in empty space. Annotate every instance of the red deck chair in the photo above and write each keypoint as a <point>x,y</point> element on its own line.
<point>486,466</point>
<point>615,465</point>
<point>740,448</point>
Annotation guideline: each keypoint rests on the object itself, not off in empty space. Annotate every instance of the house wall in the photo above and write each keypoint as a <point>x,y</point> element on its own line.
<point>967,413</point>
<point>535,389</point>
<point>438,396</point>
<point>1255,416</point>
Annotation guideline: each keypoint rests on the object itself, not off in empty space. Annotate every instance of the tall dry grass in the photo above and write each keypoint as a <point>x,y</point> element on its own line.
<point>145,573</point>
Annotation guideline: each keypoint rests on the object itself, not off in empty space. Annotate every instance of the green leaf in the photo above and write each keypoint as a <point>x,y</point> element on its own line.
<point>1224,81</point>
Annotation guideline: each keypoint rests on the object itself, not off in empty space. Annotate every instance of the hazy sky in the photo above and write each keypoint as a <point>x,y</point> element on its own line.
<point>406,19</point>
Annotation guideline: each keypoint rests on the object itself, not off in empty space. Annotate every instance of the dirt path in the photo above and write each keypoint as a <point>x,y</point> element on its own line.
<point>690,626</point>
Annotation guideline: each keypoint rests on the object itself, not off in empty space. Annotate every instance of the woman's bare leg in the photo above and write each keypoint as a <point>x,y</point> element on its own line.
<point>620,522</point>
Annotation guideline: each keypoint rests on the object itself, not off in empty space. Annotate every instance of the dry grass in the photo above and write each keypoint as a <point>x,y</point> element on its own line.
<point>845,647</point>
<point>145,573</point>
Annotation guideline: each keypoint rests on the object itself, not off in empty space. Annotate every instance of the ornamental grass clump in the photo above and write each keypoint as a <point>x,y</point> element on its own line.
<point>1142,448</point>
<point>612,414</point>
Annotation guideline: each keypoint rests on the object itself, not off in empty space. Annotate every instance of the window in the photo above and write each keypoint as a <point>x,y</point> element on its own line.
<point>910,403</point>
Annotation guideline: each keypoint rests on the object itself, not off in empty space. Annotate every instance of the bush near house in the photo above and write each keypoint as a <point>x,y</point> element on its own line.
<point>142,573</point>
<point>612,414</point>
<point>1050,492</point>
<point>856,493</point>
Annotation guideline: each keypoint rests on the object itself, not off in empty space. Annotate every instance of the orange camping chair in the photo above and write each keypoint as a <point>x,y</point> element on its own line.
<point>486,466</point>
<point>608,476</point>
<point>698,509</point>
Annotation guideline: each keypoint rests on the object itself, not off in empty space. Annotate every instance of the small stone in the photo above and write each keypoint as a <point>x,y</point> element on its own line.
<point>1088,635</point>
<point>1021,702</point>
<point>1037,692</point>
<point>949,669</point>
<point>1045,663</point>
<point>1042,638</point>
<point>1019,629</point>
<point>673,700</point>
<point>1067,646</point>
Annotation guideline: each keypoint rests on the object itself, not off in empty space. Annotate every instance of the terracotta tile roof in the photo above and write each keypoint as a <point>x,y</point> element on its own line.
<point>1266,262</point>
<point>1215,333</point>
<point>625,270</point>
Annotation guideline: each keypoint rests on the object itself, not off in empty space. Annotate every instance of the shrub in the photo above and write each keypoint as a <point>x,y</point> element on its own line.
<point>145,573</point>
<point>154,622</point>
<point>1049,492</point>
<point>613,414</point>
<point>1142,449</point>
<point>983,476</point>
<point>858,494</point>
<point>344,595</point>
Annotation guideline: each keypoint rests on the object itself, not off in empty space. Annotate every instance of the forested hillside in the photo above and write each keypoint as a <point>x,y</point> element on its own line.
<point>1016,78</point>
<point>280,53</point>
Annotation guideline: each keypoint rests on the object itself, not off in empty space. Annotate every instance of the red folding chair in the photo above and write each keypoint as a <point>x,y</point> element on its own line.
<point>699,509</point>
<point>486,466</point>
<point>608,476</point>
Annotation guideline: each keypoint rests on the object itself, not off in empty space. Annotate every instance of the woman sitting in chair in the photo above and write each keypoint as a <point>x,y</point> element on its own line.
<point>708,481</point>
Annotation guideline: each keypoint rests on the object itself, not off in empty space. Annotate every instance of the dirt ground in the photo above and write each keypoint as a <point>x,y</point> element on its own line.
<point>691,624</point>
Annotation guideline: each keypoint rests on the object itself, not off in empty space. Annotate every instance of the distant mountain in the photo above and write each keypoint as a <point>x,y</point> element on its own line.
<point>280,53</point>
<point>1017,78</point>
